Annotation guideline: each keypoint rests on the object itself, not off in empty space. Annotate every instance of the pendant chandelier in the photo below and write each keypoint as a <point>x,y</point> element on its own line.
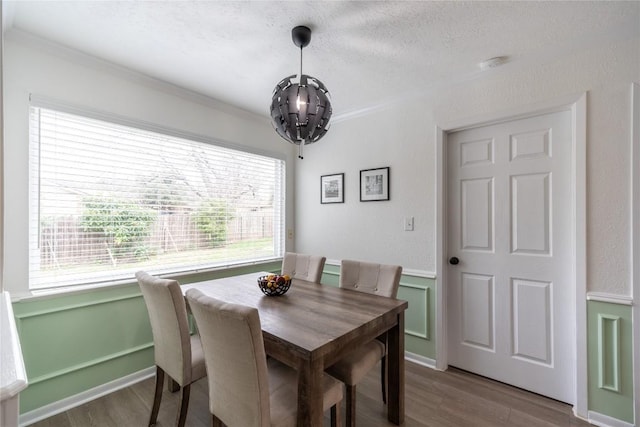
<point>300,108</point>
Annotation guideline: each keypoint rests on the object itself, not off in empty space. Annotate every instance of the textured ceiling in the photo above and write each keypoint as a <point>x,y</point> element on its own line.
<point>366,53</point>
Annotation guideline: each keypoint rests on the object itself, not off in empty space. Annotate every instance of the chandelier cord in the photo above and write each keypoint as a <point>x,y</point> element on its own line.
<point>300,64</point>
<point>300,84</point>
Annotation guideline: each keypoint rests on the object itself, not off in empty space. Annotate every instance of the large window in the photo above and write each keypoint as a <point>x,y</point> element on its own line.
<point>108,200</point>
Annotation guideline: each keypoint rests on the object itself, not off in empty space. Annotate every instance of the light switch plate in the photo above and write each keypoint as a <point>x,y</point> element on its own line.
<point>408,223</point>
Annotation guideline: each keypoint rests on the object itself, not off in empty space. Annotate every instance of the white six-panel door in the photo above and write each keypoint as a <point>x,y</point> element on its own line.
<point>510,298</point>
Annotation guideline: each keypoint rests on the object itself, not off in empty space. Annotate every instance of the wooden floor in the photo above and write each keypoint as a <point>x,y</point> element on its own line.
<point>433,398</point>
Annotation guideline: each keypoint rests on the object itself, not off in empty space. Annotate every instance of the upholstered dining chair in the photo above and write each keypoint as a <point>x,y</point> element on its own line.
<point>177,353</point>
<point>378,279</point>
<point>304,267</point>
<point>245,388</point>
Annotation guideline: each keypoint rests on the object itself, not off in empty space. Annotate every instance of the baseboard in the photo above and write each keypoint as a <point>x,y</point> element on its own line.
<point>420,360</point>
<point>70,402</point>
<point>607,421</point>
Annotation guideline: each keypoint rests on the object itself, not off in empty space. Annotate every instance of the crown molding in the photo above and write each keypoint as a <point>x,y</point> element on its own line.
<point>27,39</point>
<point>413,94</point>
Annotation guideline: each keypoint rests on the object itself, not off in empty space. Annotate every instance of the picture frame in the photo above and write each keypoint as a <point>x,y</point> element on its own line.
<point>332,188</point>
<point>374,184</point>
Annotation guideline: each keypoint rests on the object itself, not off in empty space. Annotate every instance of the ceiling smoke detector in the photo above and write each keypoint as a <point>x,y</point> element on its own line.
<point>493,62</point>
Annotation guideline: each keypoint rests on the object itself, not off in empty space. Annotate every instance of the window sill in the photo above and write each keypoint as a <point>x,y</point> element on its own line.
<point>45,293</point>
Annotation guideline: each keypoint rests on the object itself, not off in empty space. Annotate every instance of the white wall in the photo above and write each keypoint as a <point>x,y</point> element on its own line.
<point>65,76</point>
<point>1,142</point>
<point>403,137</point>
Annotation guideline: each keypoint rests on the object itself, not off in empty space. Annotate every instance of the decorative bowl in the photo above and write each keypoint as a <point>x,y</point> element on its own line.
<point>274,285</point>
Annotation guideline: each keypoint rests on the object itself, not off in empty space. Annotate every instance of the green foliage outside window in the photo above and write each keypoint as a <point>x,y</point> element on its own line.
<point>211,218</point>
<point>123,225</point>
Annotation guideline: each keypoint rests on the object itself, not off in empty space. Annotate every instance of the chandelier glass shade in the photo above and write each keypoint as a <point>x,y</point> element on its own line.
<point>300,105</point>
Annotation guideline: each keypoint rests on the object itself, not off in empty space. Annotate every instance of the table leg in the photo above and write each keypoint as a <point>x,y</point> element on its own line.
<point>310,393</point>
<point>395,372</point>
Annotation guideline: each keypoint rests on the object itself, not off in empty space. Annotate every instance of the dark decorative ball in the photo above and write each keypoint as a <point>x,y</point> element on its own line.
<point>300,112</point>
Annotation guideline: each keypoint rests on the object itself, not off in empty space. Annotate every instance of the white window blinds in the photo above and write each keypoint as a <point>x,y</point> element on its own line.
<point>108,200</point>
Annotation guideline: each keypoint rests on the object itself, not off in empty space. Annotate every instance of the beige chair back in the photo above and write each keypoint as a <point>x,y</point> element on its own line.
<point>235,358</point>
<point>303,267</point>
<point>169,325</point>
<point>378,279</point>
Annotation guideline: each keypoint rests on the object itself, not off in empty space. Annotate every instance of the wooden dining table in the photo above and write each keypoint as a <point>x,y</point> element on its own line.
<point>312,326</point>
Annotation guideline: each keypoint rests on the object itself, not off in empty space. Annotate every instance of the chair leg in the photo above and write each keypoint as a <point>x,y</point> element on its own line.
<point>383,378</point>
<point>335,415</point>
<point>157,397</point>
<point>173,385</point>
<point>184,405</point>
<point>215,421</point>
<point>351,406</point>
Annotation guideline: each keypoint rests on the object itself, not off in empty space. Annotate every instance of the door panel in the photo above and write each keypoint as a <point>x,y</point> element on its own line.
<point>476,152</point>
<point>530,215</point>
<point>532,321</point>
<point>510,300</point>
<point>477,303</point>
<point>530,145</point>
<point>477,214</point>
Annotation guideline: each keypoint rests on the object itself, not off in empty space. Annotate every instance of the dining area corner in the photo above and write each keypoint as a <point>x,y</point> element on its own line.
<point>281,335</point>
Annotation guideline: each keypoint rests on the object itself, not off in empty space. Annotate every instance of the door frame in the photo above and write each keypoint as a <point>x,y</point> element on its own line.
<point>635,239</point>
<point>577,104</point>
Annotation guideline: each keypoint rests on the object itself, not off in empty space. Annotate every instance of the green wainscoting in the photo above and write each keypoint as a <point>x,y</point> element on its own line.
<point>420,317</point>
<point>77,341</point>
<point>610,359</point>
<point>331,275</point>
<point>419,326</point>
<point>74,342</point>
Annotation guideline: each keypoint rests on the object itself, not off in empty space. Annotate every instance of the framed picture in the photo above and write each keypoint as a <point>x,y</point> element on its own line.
<point>374,185</point>
<point>332,188</point>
